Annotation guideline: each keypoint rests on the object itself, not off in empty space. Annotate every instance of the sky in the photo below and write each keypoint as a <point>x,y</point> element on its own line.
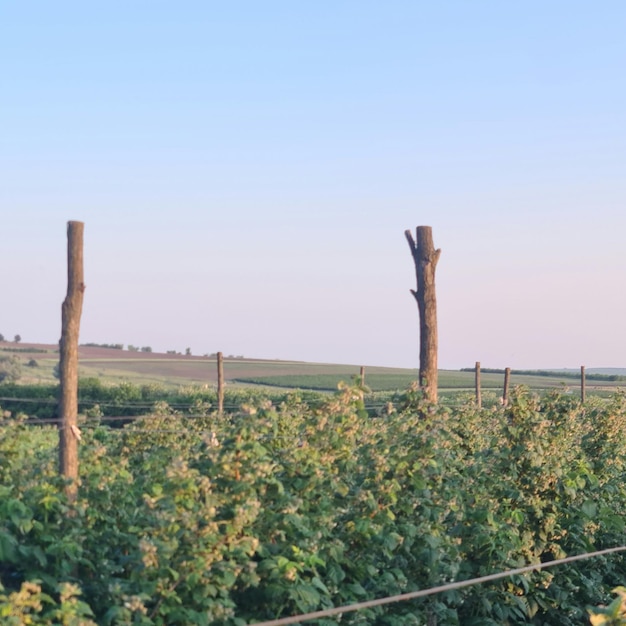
<point>246,171</point>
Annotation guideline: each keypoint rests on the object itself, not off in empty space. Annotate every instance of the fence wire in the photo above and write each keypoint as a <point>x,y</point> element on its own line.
<point>305,617</point>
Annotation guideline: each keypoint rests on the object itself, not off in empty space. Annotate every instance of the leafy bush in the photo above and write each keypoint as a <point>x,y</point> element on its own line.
<point>10,369</point>
<point>284,508</point>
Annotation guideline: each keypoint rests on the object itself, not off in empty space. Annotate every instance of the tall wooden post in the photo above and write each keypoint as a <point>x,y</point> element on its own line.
<point>220,382</point>
<point>583,390</point>
<point>71,311</point>
<point>505,393</point>
<point>426,257</point>
<point>362,375</point>
<point>479,400</point>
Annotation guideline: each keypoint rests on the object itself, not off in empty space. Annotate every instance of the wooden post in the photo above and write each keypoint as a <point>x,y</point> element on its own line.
<point>426,257</point>
<point>479,400</point>
<point>362,375</point>
<point>220,382</point>
<point>69,434</point>
<point>583,391</point>
<point>505,394</point>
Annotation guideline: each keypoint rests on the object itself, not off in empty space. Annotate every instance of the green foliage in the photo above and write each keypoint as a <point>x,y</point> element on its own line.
<point>612,615</point>
<point>29,605</point>
<point>283,508</point>
<point>128,400</point>
<point>45,399</point>
<point>10,369</point>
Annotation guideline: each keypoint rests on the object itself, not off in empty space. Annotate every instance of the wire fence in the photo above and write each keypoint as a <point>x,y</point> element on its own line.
<point>188,410</point>
<point>304,617</point>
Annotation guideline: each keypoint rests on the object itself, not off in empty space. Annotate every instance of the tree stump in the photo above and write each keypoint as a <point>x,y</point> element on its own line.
<point>426,257</point>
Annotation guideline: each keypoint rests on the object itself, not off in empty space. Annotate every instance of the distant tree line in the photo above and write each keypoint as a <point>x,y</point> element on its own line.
<point>138,349</point>
<point>551,373</point>
<point>37,350</point>
<point>117,346</point>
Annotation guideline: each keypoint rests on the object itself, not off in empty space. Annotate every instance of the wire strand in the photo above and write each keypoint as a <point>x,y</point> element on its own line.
<point>304,617</point>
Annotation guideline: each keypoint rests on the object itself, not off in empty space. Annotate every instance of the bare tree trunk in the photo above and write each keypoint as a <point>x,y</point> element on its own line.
<point>220,382</point>
<point>426,257</point>
<point>71,311</point>
<point>505,394</point>
<point>479,399</point>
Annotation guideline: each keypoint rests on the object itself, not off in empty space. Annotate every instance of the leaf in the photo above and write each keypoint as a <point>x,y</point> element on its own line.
<point>589,509</point>
<point>318,584</point>
<point>39,554</point>
<point>357,589</point>
<point>305,596</point>
<point>8,546</point>
<point>517,517</point>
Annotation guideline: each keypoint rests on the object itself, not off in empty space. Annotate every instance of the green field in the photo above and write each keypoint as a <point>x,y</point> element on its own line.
<point>388,379</point>
<point>115,366</point>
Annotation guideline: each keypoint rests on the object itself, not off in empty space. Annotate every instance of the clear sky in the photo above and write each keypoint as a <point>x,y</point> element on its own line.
<point>246,170</point>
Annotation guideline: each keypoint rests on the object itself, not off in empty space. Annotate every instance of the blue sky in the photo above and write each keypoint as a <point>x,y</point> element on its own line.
<point>246,171</point>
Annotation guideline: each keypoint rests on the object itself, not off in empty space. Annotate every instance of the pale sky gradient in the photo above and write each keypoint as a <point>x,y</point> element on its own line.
<point>246,170</point>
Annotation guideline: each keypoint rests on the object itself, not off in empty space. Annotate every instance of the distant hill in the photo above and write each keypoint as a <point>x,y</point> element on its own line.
<point>115,365</point>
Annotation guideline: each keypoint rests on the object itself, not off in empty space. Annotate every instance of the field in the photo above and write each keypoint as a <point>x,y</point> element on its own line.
<point>173,370</point>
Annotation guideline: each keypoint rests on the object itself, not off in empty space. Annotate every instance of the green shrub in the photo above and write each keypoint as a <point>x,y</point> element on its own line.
<point>283,508</point>
<point>10,369</point>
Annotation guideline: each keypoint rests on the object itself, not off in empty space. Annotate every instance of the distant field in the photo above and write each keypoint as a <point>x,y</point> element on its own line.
<point>383,379</point>
<point>174,370</point>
